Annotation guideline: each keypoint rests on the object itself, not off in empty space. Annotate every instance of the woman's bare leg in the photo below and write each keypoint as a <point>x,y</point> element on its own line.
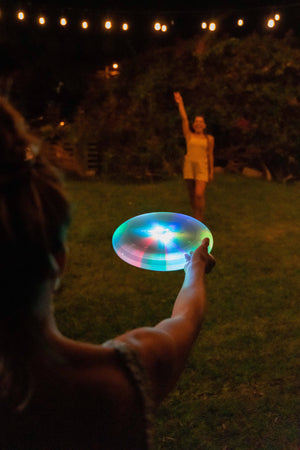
<point>199,199</point>
<point>190,184</point>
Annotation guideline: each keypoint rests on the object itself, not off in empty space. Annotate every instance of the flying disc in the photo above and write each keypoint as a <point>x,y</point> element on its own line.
<point>159,240</point>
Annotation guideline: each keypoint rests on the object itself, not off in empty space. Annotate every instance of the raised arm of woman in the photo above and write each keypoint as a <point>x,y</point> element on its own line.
<point>164,349</point>
<point>185,121</point>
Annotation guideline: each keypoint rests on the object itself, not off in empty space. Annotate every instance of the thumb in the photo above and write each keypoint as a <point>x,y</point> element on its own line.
<point>205,243</point>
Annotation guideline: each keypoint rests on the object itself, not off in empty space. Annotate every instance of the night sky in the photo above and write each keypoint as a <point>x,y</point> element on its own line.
<point>158,5</point>
<point>71,54</point>
<point>96,46</point>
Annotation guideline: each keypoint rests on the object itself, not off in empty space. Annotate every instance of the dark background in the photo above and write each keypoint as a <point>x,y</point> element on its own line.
<point>53,64</point>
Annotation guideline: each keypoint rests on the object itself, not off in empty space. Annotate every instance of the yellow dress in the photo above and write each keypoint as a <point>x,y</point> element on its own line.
<point>196,164</point>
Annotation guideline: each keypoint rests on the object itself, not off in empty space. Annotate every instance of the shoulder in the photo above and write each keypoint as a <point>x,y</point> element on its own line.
<point>89,384</point>
<point>103,381</point>
<point>91,369</point>
<point>145,339</point>
<point>156,351</point>
<point>210,138</point>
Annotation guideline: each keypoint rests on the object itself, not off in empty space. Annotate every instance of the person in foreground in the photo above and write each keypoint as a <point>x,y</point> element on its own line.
<point>198,168</point>
<point>57,393</point>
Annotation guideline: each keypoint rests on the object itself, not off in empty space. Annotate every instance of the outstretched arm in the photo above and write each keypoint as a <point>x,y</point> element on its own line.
<point>185,121</point>
<point>164,349</point>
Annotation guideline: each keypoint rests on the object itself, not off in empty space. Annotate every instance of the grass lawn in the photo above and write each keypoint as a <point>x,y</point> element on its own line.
<point>240,387</point>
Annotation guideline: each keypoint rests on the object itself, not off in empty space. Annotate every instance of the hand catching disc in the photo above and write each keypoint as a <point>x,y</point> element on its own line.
<point>159,240</point>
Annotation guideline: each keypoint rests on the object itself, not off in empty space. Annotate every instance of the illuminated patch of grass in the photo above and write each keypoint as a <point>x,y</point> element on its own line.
<point>240,385</point>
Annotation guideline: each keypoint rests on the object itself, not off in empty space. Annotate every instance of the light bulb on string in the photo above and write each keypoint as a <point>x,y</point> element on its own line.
<point>63,21</point>
<point>125,26</point>
<point>240,22</point>
<point>277,17</point>
<point>203,25</point>
<point>212,26</point>
<point>271,23</point>
<point>84,24</point>
<point>157,26</point>
<point>21,15</point>
<point>108,24</point>
<point>41,20</point>
<point>164,28</point>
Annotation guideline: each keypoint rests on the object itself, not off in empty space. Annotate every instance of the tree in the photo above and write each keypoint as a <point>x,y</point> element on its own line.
<point>246,88</point>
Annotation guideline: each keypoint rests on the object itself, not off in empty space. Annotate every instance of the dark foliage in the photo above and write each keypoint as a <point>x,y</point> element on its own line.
<point>247,89</point>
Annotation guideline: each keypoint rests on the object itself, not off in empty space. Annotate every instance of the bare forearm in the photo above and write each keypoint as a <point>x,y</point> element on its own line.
<point>183,327</point>
<point>187,315</point>
<point>190,302</point>
<point>183,114</point>
<point>182,111</point>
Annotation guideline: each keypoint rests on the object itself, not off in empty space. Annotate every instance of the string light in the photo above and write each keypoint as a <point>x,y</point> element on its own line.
<point>63,21</point>
<point>159,27</point>
<point>42,20</point>
<point>271,23</point>
<point>21,15</point>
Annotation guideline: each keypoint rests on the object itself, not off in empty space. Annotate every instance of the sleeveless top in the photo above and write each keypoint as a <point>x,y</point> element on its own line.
<point>132,366</point>
<point>197,148</point>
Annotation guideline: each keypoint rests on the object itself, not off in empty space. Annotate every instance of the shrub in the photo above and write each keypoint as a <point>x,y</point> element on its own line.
<point>246,88</point>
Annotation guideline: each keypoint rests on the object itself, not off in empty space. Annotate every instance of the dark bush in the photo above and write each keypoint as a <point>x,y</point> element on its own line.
<point>247,89</point>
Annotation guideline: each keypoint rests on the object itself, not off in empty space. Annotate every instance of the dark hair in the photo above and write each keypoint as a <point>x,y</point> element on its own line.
<point>200,115</point>
<point>34,217</point>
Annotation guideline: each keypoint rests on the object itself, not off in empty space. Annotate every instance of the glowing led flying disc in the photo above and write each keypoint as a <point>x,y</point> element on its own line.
<point>159,240</point>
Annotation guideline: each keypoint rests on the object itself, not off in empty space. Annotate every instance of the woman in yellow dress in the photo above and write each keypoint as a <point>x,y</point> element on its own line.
<point>198,165</point>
